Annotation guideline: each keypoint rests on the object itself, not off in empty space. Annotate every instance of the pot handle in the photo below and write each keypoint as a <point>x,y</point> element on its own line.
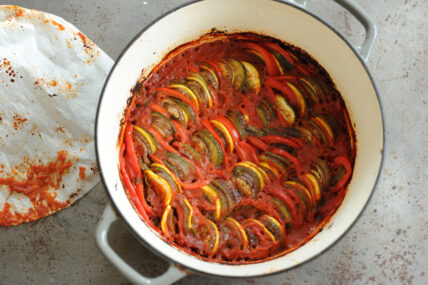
<point>361,15</point>
<point>108,217</point>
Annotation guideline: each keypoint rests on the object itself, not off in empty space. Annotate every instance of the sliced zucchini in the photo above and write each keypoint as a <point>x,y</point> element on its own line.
<point>283,211</point>
<point>261,174</point>
<point>209,74</point>
<point>311,90</point>
<point>302,192</point>
<point>163,125</point>
<point>253,222</point>
<point>200,146</point>
<point>214,197</point>
<point>239,121</point>
<point>226,70</point>
<point>252,130</point>
<point>228,191</point>
<point>215,151</point>
<point>247,180</point>
<point>200,87</point>
<point>301,100</point>
<point>186,91</point>
<point>160,185</point>
<point>266,112</point>
<point>213,237</point>
<point>182,168</point>
<point>252,78</point>
<point>189,152</point>
<point>147,138</point>
<point>179,110</point>
<point>185,215</point>
<point>235,226</point>
<point>166,174</point>
<point>312,183</point>
<point>283,64</point>
<point>239,73</point>
<point>284,109</point>
<point>225,133</point>
<point>167,222</point>
<point>276,161</point>
<point>273,226</point>
<point>321,168</point>
<point>268,168</point>
<point>325,127</point>
<point>176,112</point>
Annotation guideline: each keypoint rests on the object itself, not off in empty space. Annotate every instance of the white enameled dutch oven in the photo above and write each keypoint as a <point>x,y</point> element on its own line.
<point>285,21</point>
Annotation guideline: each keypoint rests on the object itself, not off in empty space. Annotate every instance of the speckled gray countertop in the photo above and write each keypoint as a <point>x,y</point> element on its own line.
<point>388,244</point>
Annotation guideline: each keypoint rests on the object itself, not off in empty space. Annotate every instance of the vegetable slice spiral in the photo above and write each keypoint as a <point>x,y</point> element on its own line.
<point>238,149</point>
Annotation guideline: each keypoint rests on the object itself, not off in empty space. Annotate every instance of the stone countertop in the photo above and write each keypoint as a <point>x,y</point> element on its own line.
<point>388,244</point>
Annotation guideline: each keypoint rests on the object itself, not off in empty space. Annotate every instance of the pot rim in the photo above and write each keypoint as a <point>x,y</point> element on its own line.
<point>176,262</point>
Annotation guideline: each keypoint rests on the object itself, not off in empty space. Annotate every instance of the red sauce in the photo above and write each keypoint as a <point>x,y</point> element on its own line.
<point>40,179</point>
<point>82,174</point>
<point>237,148</point>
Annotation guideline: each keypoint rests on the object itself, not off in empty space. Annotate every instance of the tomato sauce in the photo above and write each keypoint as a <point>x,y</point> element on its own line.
<point>237,148</point>
<point>40,180</point>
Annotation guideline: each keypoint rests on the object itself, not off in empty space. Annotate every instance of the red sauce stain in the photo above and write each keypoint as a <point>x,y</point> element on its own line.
<point>39,180</point>
<point>18,120</point>
<point>19,11</point>
<point>60,130</point>
<point>53,83</point>
<point>6,67</point>
<point>68,85</point>
<point>60,27</point>
<point>82,174</point>
<point>83,37</point>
